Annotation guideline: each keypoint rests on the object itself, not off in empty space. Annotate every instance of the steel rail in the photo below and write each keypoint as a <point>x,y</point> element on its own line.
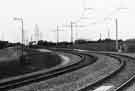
<point>129,80</point>
<point>48,75</point>
<point>125,83</point>
<point>114,55</point>
<point>121,62</point>
<point>110,54</point>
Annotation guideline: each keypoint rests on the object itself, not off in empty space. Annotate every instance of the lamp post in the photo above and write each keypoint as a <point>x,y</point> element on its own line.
<point>22,49</point>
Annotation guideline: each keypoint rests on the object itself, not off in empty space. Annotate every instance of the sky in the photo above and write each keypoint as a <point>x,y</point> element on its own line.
<point>47,14</point>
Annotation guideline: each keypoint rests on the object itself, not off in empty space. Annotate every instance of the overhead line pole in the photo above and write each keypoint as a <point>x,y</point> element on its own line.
<point>100,36</point>
<point>21,19</point>
<point>71,23</point>
<point>108,34</point>
<point>76,33</point>
<point>57,34</point>
<point>22,34</point>
<point>71,26</point>
<point>116,22</point>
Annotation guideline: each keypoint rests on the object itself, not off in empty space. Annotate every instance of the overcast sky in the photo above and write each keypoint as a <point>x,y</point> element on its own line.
<point>48,13</point>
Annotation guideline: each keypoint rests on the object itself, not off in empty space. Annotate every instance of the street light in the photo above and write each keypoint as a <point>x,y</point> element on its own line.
<point>21,19</point>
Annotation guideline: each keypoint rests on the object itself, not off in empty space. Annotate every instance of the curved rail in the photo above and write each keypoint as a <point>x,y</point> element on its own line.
<point>129,80</point>
<point>98,82</point>
<point>115,55</point>
<point>70,68</point>
<point>122,64</point>
<point>44,76</point>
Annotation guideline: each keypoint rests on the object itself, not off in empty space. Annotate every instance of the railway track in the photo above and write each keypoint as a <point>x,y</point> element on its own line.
<point>6,85</point>
<point>131,78</point>
<point>118,79</point>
